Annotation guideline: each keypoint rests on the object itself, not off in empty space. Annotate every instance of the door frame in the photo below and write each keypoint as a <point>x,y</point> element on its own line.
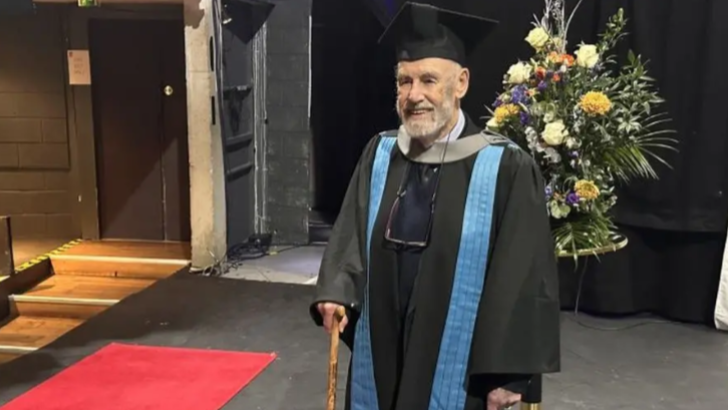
<point>79,103</point>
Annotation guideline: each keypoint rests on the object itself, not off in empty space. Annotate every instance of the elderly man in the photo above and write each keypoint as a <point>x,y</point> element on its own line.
<point>442,253</point>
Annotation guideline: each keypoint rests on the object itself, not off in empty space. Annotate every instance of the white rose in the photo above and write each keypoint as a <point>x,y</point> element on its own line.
<point>519,73</point>
<point>537,38</point>
<point>587,56</point>
<point>492,124</point>
<point>555,133</point>
<point>559,211</point>
<point>571,143</point>
<point>537,110</point>
<point>552,155</point>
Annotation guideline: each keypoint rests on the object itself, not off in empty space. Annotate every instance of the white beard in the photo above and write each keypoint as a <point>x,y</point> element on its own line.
<point>431,125</point>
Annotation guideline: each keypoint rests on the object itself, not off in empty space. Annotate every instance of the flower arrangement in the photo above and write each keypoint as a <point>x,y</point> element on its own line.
<point>588,123</point>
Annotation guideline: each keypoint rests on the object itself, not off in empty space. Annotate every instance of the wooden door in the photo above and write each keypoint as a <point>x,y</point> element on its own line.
<point>140,120</point>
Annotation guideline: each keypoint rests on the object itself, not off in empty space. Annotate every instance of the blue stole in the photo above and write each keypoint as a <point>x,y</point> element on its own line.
<point>448,390</point>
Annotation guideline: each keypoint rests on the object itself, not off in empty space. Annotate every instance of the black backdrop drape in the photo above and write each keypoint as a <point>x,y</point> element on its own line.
<point>676,225</point>
<point>352,93</point>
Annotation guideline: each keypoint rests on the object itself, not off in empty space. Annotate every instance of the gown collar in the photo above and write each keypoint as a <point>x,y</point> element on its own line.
<point>461,143</point>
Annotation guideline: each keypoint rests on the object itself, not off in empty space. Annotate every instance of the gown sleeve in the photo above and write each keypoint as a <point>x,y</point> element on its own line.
<point>341,277</point>
<point>520,300</point>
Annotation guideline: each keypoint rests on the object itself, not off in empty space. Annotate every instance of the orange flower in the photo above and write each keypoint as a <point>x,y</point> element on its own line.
<point>540,73</point>
<point>557,77</point>
<point>555,57</point>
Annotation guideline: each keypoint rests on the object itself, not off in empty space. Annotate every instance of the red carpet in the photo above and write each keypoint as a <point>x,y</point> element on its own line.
<point>124,377</point>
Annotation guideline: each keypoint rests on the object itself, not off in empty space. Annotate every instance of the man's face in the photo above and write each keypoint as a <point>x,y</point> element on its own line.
<point>428,95</point>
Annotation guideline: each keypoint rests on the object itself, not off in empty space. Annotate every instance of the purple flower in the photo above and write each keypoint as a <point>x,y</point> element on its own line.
<point>549,191</point>
<point>542,85</point>
<point>497,103</point>
<point>519,95</point>
<point>524,117</point>
<point>574,154</point>
<point>572,198</point>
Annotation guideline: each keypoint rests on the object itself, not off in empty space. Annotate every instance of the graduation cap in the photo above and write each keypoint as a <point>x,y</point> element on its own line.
<point>425,31</point>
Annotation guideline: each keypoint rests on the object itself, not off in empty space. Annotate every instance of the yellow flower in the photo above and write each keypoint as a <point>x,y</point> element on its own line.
<point>595,103</point>
<point>505,111</point>
<point>586,189</point>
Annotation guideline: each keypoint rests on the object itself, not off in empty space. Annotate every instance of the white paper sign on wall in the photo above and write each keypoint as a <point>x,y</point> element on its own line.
<point>79,67</point>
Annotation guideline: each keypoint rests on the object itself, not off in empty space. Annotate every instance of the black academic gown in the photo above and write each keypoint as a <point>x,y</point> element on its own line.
<point>517,329</point>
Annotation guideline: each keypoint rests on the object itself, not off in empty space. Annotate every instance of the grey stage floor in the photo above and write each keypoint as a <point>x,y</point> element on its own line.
<point>286,265</point>
<point>661,366</point>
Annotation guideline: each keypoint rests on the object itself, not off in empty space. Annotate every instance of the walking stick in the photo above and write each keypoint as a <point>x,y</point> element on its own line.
<point>533,397</point>
<point>334,357</point>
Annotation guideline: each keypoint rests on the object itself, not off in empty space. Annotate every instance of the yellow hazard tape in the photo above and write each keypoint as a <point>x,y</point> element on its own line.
<point>47,255</point>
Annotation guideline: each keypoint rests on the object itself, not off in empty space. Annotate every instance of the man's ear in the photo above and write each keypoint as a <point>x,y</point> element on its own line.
<point>463,83</point>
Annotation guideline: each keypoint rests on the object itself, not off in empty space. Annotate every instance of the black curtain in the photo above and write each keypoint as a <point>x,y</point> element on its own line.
<point>352,94</point>
<point>676,225</point>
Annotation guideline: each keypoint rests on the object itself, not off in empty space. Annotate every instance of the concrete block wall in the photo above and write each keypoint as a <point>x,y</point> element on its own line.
<point>288,133</point>
<point>34,145</point>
